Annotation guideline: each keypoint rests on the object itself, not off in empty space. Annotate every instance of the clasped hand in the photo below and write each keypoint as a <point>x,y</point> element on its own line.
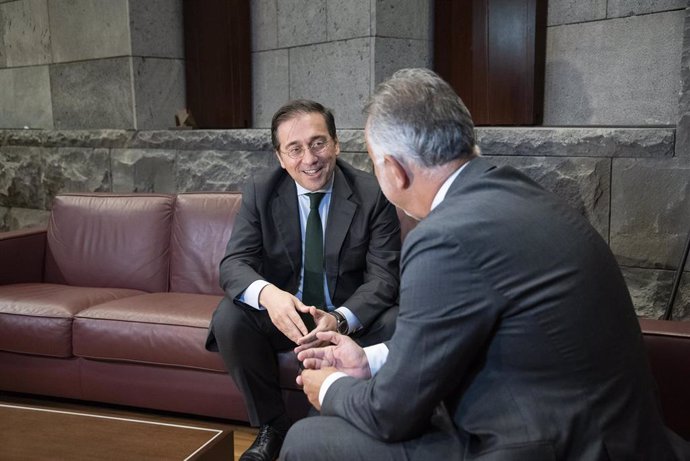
<point>284,310</point>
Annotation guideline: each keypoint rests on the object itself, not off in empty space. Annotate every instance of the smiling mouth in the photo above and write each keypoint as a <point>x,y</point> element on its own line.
<point>312,171</point>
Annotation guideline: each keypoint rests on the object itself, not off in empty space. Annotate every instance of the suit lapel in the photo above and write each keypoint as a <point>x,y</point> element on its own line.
<point>284,210</point>
<point>340,214</point>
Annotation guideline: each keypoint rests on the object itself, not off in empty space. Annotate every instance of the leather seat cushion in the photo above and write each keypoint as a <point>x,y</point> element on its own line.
<point>36,318</point>
<point>166,329</point>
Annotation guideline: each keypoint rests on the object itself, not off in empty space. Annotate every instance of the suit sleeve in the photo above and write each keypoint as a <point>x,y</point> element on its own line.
<point>381,280</point>
<point>446,316</point>
<point>242,261</point>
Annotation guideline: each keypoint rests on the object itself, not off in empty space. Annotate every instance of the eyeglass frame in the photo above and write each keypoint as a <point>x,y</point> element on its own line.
<point>310,147</point>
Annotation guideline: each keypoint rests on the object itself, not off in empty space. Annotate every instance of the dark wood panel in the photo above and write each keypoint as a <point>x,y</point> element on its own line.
<point>492,52</point>
<point>218,62</point>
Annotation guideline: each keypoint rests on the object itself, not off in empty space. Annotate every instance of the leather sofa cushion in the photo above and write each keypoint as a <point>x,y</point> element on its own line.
<point>119,241</point>
<point>155,328</point>
<point>36,318</point>
<point>202,225</point>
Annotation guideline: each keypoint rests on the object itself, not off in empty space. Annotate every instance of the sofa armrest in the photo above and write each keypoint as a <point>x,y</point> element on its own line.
<point>22,253</point>
<point>668,347</point>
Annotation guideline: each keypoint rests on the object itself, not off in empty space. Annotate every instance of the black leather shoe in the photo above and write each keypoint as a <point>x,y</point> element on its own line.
<point>267,445</point>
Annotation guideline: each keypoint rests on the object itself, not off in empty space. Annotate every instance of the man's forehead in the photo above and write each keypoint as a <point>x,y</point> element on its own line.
<point>288,126</point>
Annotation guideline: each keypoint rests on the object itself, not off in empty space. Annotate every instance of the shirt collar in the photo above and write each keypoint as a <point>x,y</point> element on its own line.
<point>441,194</point>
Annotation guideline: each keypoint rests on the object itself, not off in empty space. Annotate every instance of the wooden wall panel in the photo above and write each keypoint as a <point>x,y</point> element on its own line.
<point>492,52</point>
<point>218,62</point>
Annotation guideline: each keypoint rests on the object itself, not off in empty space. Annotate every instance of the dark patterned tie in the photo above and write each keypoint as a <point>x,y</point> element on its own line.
<point>312,288</point>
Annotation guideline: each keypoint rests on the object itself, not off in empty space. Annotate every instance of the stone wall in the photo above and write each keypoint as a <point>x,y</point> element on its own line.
<point>613,62</point>
<point>627,182</point>
<point>333,51</point>
<point>91,64</point>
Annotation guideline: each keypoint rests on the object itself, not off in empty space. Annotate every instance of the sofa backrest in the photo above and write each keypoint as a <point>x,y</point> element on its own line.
<point>202,225</point>
<point>668,346</point>
<point>110,240</point>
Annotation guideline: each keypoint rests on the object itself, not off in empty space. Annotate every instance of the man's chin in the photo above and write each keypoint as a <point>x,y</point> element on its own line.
<point>314,182</point>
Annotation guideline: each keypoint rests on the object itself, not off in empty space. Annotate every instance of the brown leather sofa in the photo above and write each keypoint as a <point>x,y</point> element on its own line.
<point>668,346</point>
<point>111,303</point>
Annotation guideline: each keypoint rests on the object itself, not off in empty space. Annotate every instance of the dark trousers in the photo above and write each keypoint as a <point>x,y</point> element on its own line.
<point>248,342</point>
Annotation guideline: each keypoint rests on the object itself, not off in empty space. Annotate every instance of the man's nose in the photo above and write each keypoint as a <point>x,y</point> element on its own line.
<point>309,157</point>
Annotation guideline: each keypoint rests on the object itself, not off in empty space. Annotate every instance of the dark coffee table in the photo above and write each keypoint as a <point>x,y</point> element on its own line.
<point>35,433</point>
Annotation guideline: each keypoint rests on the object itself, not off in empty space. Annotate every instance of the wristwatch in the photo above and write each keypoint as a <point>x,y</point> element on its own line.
<point>341,325</point>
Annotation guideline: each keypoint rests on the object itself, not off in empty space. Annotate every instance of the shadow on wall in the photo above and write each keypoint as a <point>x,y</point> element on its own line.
<point>566,101</point>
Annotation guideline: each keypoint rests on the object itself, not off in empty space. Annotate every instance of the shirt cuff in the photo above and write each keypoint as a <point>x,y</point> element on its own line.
<point>330,379</point>
<point>250,296</point>
<point>376,356</point>
<point>353,323</point>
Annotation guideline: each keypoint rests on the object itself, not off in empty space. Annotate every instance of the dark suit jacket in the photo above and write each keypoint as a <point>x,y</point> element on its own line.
<point>514,313</point>
<point>361,246</point>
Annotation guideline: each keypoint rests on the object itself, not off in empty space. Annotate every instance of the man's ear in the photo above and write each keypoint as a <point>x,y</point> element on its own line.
<point>337,146</point>
<point>400,176</point>
<point>280,159</point>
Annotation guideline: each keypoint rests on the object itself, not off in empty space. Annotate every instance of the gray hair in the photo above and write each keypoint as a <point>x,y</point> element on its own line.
<point>417,116</point>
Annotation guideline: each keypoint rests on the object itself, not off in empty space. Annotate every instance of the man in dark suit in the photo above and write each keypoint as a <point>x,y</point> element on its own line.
<point>316,232</point>
<point>516,337</point>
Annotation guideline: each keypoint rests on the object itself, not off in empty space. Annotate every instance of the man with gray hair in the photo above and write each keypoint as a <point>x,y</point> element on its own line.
<point>516,337</point>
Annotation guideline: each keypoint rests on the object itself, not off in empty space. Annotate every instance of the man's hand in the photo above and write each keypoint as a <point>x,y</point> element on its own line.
<point>324,322</point>
<point>284,308</point>
<point>312,381</point>
<point>344,354</point>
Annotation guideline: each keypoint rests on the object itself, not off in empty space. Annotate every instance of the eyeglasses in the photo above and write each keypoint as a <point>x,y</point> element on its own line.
<point>316,147</point>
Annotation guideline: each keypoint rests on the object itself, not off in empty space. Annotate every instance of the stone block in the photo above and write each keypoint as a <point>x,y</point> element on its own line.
<point>403,19</point>
<point>595,77</point>
<point>618,8</point>
<point>301,22</point>
<point>352,141</point>
<point>156,28</point>
<point>264,17</point>
<point>25,99</point>
<point>143,170</point>
<point>337,74</point>
<point>25,33</point>
<point>159,91</point>
<point>89,29</point>
<point>230,140</point>
<point>582,182</point>
<point>22,218</point>
<point>348,19</point>
<point>392,54</point>
<point>65,138</point>
<point>75,169</point>
<point>219,171</point>
<point>358,160</point>
<point>270,85</point>
<point>683,125</point>
<point>93,94</point>
<point>649,290</point>
<point>650,211</point>
<point>682,148</point>
<point>577,142</point>
<point>21,177</point>
<point>3,53</point>
<point>570,11</point>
